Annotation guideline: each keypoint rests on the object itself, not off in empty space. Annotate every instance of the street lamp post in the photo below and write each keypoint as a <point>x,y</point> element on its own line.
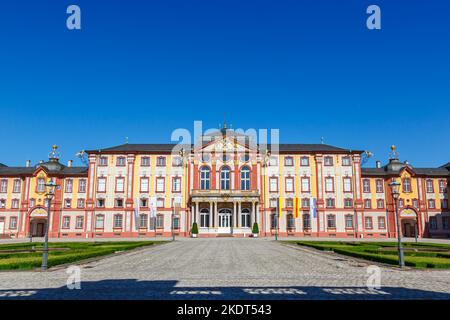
<point>395,186</point>
<point>49,195</point>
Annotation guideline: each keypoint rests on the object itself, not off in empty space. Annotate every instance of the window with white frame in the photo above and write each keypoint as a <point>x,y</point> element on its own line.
<point>176,184</point>
<point>13,223</point>
<point>349,221</point>
<point>331,221</point>
<point>66,222</point>
<point>380,204</point>
<point>143,221</point>
<point>273,184</point>
<point>32,203</point>
<point>305,203</point>
<point>15,203</point>
<point>367,203</point>
<point>100,203</point>
<point>160,184</point>
<point>69,186</point>
<point>204,218</point>
<point>144,182</point>
<point>118,221</point>
<point>366,185</point>
<point>245,218</point>
<point>40,185</point>
<point>103,161</point>
<point>306,221</point>
<point>406,185</point>
<point>16,186</point>
<point>145,161</point>
<point>329,184</point>
<point>431,204</point>
<point>2,203</point>
<point>118,203</point>
<point>99,221</point>
<point>143,202</point>
<point>4,186</point>
<point>305,184</point>
<point>288,161</point>
<point>348,202</point>
<point>381,223</point>
<point>290,221</point>
<point>429,186</point>
<point>304,161</point>
<point>120,161</point>
<point>245,178</point>
<point>347,184</point>
<point>225,178</point>
<point>120,184</point>
<point>101,185</point>
<point>346,161</point>
<point>329,202</point>
<point>273,161</point>
<point>160,202</point>
<point>82,185</point>
<point>80,203</point>
<point>273,203</point>
<point>204,178</point>
<point>161,161</point>
<point>415,203</point>
<point>289,203</point>
<point>379,185</point>
<point>289,184</point>
<point>442,186</point>
<point>159,221</point>
<point>328,161</point>
<point>79,222</point>
<point>176,161</point>
<point>67,203</point>
<point>368,222</point>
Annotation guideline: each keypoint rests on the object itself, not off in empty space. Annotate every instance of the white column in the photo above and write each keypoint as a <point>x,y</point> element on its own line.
<point>238,224</point>
<point>210,214</point>
<point>216,215</point>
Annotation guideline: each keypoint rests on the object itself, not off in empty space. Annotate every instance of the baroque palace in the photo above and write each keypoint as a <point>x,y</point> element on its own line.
<point>224,184</point>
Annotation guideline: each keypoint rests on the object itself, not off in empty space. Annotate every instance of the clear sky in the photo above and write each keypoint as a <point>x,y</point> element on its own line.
<point>141,69</point>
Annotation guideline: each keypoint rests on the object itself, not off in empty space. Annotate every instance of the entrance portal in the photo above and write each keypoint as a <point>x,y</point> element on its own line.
<point>409,227</point>
<point>37,227</point>
<point>225,221</point>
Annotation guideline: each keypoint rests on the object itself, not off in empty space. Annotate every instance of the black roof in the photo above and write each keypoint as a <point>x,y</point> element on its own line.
<point>386,171</point>
<point>168,147</point>
<point>447,165</point>
<point>61,170</point>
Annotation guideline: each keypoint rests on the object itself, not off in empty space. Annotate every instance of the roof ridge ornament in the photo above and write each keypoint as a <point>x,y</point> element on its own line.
<point>394,155</point>
<point>54,154</point>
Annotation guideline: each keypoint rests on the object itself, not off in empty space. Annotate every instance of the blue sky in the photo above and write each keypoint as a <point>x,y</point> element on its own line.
<point>141,69</point>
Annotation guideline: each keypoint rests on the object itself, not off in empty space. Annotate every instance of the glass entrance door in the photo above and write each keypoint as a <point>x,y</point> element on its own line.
<point>224,221</point>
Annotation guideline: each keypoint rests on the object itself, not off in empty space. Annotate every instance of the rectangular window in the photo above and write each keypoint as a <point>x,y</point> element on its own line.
<point>289,203</point>
<point>401,203</point>
<point>15,203</point>
<point>406,185</point>
<point>16,186</point>
<point>120,161</point>
<point>159,221</point>
<point>346,161</point>
<point>66,222</point>
<point>144,184</point>
<point>304,161</point>
<point>144,203</point>
<point>176,184</point>
<point>305,185</point>
<point>67,203</point>
<point>273,203</point>
<point>444,203</point>
<point>330,203</point>
<point>80,203</point>
<point>433,223</point>
<point>69,185</point>
<point>366,185</point>
<point>368,222</point>
<point>381,223</point>
<point>161,161</point>
<point>306,221</point>
<point>100,203</point>
<point>159,184</point>
<point>143,221</point>
<point>305,203</point>
<point>349,221</point>
<point>431,204</point>
<point>367,203</point>
<point>145,162</point>
<point>348,203</point>
<point>415,203</point>
<point>120,184</point>
<point>79,222</point>
<point>442,186</point>
<point>103,161</point>
<point>176,162</point>
<point>329,184</point>
<point>380,204</point>
<point>328,161</point>
<point>290,222</point>
<point>99,221</point>
<point>273,221</point>
<point>429,185</point>
<point>119,203</point>
<point>288,161</point>
<point>41,185</point>
<point>379,185</point>
<point>160,202</point>
<point>117,221</point>
<point>176,223</point>
<point>101,185</point>
<point>289,184</point>
<point>4,186</point>
<point>347,184</point>
<point>13,223</point>
<point>331,221</point>
<point>273,187</point>
<point>2,203</point>
<point>446,223</point>
<point>82,185</point>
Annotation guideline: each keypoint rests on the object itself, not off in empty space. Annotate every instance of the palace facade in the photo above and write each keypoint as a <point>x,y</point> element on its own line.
<point>225,184</point>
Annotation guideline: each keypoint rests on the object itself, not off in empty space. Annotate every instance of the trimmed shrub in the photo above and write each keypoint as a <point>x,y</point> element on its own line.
<point>255,228</point>
<point>194,229</point>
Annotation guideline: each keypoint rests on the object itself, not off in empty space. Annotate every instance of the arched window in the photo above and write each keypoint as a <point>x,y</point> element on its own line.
<point>245,178</point>
<point>204,178</point>
<point>204,218</point>
<point>306,221</point>
<point>225,178</point>
<point>245,218</point>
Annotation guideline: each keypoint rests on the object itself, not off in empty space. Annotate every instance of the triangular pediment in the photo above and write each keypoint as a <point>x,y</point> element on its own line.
<point>226,144</point>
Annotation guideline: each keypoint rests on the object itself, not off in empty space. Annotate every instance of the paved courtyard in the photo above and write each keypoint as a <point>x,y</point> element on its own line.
<point>226,268</point>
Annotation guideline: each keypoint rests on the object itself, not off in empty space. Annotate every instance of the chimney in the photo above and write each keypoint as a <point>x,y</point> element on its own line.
<point>69,163</point>
<point>27,163</point>
<point>378,164</point>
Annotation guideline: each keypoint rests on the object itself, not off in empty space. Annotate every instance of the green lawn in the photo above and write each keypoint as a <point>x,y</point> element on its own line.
<point>11,259</point>
<point>418,255</point>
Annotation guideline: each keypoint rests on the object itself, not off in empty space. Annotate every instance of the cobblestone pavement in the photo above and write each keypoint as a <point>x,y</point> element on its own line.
<point>226,268</point>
